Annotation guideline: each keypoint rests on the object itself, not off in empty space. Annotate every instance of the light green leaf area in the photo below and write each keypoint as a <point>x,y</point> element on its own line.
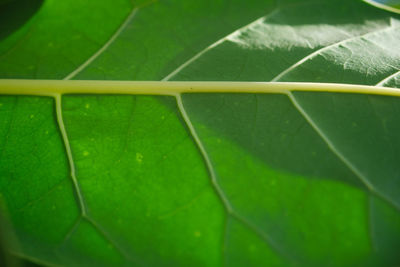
<point>285,177</point>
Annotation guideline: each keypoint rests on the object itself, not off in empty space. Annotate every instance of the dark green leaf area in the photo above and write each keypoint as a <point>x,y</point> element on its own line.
<point>390,5</point>
<point>59,37</point>
<point>14,14</point>
<point>281,185</point>
<point>385,232</point>
<point>372,132</point>
<point>291,213</point>
<point>34,182</point>
<point>270,127</point>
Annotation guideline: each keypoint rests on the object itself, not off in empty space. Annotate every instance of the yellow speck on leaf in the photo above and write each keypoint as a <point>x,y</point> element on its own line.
<point>87,105</point>
<point>31,116</point>
<point>139,157</point>
<point>197,233</point>
<point>85,153</point>
<point>252,248</point>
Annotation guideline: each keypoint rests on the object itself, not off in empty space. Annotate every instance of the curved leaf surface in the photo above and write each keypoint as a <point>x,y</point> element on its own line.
<point>390,5</point>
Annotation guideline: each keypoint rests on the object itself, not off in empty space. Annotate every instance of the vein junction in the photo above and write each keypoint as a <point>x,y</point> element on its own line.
<point>77,188</point>
<point>57,88</point>
<point>236,38</point>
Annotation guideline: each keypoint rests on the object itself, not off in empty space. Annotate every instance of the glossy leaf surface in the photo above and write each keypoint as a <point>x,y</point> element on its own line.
<point>390,5</point>
<point>288,178</point>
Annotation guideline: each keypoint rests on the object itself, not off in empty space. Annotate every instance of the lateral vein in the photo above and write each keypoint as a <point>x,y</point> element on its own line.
<point>339,154</point>
<point>215,44</point>
<point>384,81</point>
<point>385,7</point>
<point>330,144</point>
<point>321,50</point>
<point>70,158</point>
<point>207,160</point>
<point>214,181</point>
<point>104,47</point>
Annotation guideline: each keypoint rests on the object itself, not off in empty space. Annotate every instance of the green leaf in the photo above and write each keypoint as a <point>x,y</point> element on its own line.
<point>108,173</point>
<point>390,5</point>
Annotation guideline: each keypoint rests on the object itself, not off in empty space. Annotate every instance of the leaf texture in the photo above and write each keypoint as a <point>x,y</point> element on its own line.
<point>285,178</point>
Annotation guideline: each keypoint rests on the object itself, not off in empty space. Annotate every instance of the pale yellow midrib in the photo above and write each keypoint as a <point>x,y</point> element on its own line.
<point>54,88</point>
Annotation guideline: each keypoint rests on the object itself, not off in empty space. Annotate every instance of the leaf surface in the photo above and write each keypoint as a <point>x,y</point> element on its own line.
<point>389,5</point>
<point>280,177</point>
